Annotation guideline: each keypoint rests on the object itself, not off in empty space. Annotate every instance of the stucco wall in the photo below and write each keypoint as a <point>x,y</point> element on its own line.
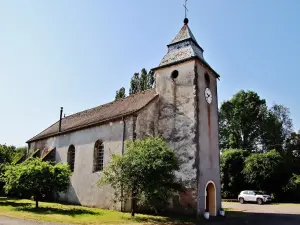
<point>209,166</point>
<point>83,189</point>
<point>177,124</point>
<point>147,121</point>
<point>190,126</point>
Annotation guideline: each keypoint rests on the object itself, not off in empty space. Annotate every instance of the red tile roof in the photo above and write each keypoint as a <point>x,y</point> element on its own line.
<point>100,114</point>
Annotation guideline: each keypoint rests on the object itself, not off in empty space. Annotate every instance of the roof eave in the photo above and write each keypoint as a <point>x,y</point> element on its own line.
<point>188,39</point>
<point>185,60</point>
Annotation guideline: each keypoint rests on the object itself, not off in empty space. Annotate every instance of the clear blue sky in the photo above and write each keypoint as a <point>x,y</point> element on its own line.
<point>76,54</point>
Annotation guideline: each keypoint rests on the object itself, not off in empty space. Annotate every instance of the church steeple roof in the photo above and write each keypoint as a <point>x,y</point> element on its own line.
<point>184,34</point>
<point>182,48</point>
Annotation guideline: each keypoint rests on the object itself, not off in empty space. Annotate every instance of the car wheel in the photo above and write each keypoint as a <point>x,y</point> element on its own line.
<point>241,200</point>
<point>259,201</point>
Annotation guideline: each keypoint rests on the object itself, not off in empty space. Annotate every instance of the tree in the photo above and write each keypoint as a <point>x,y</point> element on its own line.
<point>146,80</point>
<point>145,174</point>
<point>36,178</point>
<point>120,94</point>
<point>141,82</point>
<point>267,171</point>
<point>271,134</point>
<point>292,189</point>
<point>240,121</point>
<point>293,144</point>
<point>7,155</point>
<point>134,84</point>
<point>277,128</point>
<point>284,116</point>
<point>19,153</point>
<point>231,167</point>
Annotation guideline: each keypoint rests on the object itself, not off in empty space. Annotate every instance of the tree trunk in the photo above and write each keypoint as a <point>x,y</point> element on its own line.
<point>132,207</point>
<point>36,203</point>
<point>133,202</point>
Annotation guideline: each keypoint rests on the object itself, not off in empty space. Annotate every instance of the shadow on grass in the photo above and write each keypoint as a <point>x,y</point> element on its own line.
<point>49,210</point>
<point>14,204</point>
<point>170,219</point>
<point>28,207</point>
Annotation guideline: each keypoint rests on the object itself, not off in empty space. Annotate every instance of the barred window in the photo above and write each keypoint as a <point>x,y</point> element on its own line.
<point>71,157</point>
<point>98,156</point>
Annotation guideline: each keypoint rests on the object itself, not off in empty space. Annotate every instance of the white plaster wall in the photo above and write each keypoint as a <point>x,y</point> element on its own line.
<point>83,189</point>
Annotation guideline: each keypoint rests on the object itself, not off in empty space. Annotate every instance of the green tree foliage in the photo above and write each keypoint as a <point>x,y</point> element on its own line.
<point>293,144</point>
<point>19,153</point>
<point>240,121</point>
<point>231,167</point>
<point>266,171</point>
<point>120,94</point>
<point>134,84</point>
<point>36,178</point>
<point>9,155</point>
<point>276,128</point>
<point>145,174</point>
<point>292,189</point>
<point>141,82</point>
<point>247,123</point>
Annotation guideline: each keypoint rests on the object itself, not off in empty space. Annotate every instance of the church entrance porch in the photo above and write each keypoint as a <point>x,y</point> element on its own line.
<point>210,198</point>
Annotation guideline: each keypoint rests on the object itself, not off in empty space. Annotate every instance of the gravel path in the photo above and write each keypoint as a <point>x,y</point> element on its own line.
<point>268,208</point>
<point>12,221</point>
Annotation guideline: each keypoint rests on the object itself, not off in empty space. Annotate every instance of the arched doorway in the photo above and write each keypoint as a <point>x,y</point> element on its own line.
<point>210,198</point>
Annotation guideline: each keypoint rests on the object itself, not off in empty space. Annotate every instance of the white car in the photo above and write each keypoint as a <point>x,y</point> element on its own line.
<point>254,196</point>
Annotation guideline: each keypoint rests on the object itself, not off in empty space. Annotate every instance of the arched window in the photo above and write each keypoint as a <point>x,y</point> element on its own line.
<point>71,157</point>
<point>207,80</point>
<point>98,156</point>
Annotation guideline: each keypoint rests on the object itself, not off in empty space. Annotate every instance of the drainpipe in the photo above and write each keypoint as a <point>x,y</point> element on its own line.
<point>60,118</point>
<point>123,136</point>
<point>123,140</point>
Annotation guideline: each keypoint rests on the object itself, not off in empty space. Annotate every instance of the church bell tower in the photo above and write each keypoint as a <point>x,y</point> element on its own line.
<point>188,120</point>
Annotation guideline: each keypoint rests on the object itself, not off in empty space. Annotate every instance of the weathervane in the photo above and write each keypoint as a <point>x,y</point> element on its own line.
<point>186,9</point>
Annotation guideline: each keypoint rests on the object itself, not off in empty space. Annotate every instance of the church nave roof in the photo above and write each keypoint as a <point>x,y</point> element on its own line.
<point>101,114</point>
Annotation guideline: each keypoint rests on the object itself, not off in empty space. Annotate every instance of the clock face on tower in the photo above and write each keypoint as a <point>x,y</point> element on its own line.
<point>208,95</point>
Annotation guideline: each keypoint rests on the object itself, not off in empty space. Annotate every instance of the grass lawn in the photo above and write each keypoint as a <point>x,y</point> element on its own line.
<point>53,212</point>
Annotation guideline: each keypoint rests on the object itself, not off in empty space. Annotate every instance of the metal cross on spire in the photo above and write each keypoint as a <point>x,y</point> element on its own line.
<point>186,9</point>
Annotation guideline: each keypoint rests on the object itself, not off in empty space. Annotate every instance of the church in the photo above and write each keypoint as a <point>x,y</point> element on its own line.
<point>182,108</point>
